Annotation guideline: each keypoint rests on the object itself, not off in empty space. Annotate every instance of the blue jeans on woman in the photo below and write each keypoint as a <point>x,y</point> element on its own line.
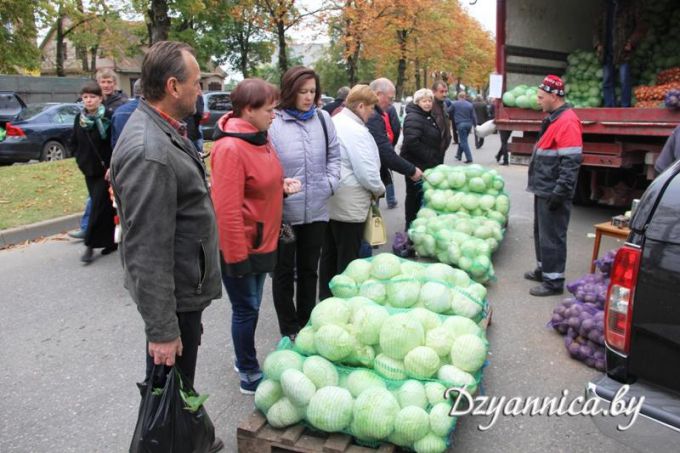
<point>463,133</point>
<point>245,295</point>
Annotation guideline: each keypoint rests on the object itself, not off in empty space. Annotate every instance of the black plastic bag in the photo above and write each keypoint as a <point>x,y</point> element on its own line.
<point>172,418</point>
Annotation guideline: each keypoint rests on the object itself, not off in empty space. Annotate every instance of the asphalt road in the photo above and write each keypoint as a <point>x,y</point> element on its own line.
<point>72,346</point>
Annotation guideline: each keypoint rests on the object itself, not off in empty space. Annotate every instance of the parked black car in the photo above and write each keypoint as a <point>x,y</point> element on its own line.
<point>216,103</point>
<point>642,322</point>
<point>39,131</point>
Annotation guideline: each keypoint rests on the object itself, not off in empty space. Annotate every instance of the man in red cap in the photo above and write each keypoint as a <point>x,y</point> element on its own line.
<point>553,172</point>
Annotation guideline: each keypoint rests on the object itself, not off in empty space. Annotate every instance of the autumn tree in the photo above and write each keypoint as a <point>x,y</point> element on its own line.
<point>18,32</point>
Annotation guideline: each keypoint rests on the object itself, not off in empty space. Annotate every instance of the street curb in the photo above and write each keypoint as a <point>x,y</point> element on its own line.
<point>12,236</point>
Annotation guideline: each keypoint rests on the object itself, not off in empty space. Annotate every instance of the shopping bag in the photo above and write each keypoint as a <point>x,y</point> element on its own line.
<point>486,129</point>
<point>171,417</point>
<point>375,232</point>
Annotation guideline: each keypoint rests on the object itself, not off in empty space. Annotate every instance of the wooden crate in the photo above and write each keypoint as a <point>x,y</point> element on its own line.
<point>255,435</point>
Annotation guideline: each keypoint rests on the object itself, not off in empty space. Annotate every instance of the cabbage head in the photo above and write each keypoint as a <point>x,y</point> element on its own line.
<point>330,409</point>
<point>360,380</point>
<point>441,423</point>
<point>374,414</point>
<point>374,290</point>
<point>435,392</point>
<point>297,387</point>
<point>385,266</point>
<point>440,272</point>
<point>343,286</point>
<point>330,311</point>
<point>358,270</point>
<point>460,325</point>
<point>279,361</point>
<point>368,321</point>
<point>334,342</point>
<point>440,340</point>
<point>421,362</point>
<point>304,341</point>
<point>389,367</point>
<point>402,292</point>
<point>503,204</point>
<point>400,334</point>
<point>413,423</point>
<point>468,353</point>
<point>477,185</point>
<point>320,371</point>
<point>477,290</point>
<point>452,376</point>
<point>284,413</point>
<point>436,297</point>
<point>428,319</point>
<point>430,443</point>
<point>456,179</point>
<point>411,393</point>
<point>463,305</point>
<point>426,213</point>
<point>267,393</point>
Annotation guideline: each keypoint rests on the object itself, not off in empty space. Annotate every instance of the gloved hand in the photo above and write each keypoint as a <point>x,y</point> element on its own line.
<point>554,202</point>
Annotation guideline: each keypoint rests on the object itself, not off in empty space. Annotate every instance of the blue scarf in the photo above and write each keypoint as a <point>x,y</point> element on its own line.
<point>302,116</point>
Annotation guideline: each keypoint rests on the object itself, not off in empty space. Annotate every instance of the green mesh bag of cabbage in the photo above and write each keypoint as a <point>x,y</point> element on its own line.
<point>472,189</point>
<point>459,240</point>
<point>398,283</point>
<point>410,413</point>
<point>397,344</point>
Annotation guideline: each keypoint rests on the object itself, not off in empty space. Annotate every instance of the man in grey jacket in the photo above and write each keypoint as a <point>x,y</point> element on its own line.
<point>169,245</point>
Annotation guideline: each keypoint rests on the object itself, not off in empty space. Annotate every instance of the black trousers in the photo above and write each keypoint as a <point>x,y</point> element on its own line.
<point>503,152</point>
<point>191,329</point>
<point>413,202</point>
<point>100,227</point>
<point>340,247</point>
<point>300,258</point>
<point>550,240</point>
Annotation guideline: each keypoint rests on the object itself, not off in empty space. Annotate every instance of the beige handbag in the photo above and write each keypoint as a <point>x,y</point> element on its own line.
<point>375,232</point>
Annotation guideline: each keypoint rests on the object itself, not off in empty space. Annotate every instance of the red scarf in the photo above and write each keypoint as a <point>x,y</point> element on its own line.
<point>388,127</point>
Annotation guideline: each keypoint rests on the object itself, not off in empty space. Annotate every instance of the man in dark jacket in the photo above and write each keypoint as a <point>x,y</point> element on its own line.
<point>464,116</point>
<point>169,245</point>
<point>339,102</point>
<point>553,172</point>
<point>113,97</point>
<point>440,90</point>
<point>380,127</point>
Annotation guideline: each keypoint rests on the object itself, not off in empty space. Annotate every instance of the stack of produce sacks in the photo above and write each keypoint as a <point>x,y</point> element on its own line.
<point>581,318</point>
<point>583,80</point>
<point>398,283</point>
<point>463,218</point>
<point>521,96</point>
<point>377,372</point>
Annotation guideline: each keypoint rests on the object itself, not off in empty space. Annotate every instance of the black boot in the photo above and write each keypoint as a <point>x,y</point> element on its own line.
<point>110,249</point>
<point>87,256</point>
<point>543,291</point>
<point>536,275</point>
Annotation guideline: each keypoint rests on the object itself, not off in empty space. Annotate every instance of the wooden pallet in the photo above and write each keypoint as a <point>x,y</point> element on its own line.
<point>255,435</point>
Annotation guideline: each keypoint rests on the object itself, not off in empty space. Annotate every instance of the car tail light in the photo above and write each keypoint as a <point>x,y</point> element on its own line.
<point>14,131</point>
<point>204,118</point>
<point>619,305</point>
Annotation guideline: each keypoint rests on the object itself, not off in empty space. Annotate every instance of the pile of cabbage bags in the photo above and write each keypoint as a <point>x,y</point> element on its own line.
<point>376,359</point>
<point>463,220</point>
<point>583,80</point>
<point>398,283</point>
<point>521,96</point>
<point>581,317</point>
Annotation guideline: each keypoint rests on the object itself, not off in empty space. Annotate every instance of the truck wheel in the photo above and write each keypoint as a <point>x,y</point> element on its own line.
<point>53,150</point>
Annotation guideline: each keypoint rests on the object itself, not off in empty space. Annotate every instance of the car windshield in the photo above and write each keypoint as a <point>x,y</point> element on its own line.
<point>32,110</point>
<point>219,102</point>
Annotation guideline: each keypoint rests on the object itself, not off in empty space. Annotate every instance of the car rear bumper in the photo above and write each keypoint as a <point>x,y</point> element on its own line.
<point>657,427</point>
<point>17,150</point>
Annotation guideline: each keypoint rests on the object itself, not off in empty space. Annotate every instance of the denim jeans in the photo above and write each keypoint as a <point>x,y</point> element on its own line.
<point>609,85</point>
<point>85,219</point>
<point>245,295</point>
<point>464,147</point>
<point>390,196</point>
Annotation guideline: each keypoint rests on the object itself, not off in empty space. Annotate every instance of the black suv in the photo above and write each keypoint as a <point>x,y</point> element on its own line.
<point>642,322</point>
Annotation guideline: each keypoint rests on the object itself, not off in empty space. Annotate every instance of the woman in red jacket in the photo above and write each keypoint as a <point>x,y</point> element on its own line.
<point>247,190</point>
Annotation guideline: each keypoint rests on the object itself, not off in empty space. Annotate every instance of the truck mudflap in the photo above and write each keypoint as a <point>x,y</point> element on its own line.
<point>656,428</point>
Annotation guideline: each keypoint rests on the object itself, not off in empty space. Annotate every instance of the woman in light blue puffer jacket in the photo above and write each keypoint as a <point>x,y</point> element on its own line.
<point>308,148</point>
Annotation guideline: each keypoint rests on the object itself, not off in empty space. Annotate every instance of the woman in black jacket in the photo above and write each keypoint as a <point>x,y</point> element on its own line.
<point>420,147</point>
<point>92,149</point>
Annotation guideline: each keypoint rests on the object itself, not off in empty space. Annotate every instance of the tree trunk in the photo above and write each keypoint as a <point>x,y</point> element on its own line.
<point>60,44</point>
<point>402,36</point>
<point>425,75</point>
<point>93,59</point>
<point>160,21</point>
<point>81,51</point>
<point>417,63</point>
<point>283,60</point>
